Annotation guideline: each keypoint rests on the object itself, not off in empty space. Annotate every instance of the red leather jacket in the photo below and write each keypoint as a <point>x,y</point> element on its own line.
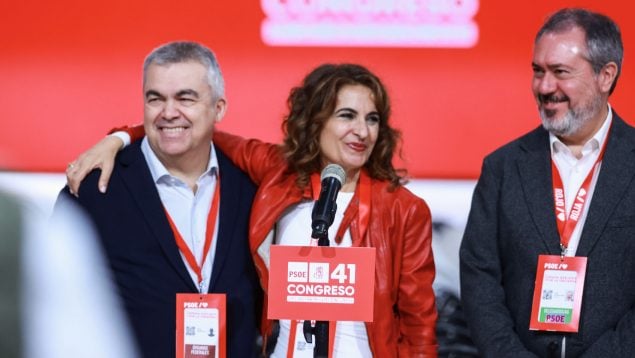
<point>399,229</point>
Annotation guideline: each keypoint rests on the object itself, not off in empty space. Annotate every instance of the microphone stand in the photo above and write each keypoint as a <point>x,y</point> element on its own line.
<point>321,219</point>
<point>321,329</point>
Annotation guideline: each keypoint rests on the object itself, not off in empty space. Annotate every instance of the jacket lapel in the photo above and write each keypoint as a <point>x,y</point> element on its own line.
<point>535,176</point>
<point>136,176</point>
<point>616,173</point>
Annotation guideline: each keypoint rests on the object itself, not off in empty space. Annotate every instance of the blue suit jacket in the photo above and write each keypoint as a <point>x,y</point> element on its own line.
<point>512,221</point>
<point>146,263</point>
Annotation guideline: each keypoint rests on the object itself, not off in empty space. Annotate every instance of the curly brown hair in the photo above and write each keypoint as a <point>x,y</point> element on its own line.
<point>313,102</point>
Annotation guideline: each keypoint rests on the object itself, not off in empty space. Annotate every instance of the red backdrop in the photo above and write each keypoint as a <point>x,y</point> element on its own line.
<point>71,70</point>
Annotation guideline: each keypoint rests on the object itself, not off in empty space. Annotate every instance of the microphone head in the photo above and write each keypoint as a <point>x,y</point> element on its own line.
<point>334,171</point>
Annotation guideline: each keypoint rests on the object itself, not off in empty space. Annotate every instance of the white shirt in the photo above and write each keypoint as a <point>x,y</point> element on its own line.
<point>573,171</point>
<point>187,209</point>
<point>294,229</point>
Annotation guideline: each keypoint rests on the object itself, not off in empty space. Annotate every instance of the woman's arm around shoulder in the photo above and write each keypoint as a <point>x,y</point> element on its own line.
<point>253,156</point>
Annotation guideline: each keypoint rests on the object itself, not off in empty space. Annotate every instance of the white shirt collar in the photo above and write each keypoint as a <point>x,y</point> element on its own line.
<point>594,143</point>
<point>160,173</point>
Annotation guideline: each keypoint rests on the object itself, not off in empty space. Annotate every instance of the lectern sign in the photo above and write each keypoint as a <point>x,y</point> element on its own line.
<point>321,283</point>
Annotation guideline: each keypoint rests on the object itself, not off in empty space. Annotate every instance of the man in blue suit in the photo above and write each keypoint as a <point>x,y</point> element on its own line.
<point>175,216</point>
<point>585,152</point>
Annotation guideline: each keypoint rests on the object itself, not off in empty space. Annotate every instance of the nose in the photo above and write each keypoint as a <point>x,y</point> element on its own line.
<point>545,84</point>
<point>360,128</point>
<point>170,111</point>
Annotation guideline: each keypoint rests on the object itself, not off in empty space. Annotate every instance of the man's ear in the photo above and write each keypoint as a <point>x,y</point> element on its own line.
<point>607,76</point>
<point>221,108</point>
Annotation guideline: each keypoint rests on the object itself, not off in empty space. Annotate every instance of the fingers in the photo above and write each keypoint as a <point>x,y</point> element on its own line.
<point>102,156</point>
<point>105,152</point>
<point>75,172</point>
<point>73,187</point>
<point>104,178</point>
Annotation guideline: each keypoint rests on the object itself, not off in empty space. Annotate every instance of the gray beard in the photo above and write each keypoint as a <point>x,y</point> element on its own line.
<point>572,121</point>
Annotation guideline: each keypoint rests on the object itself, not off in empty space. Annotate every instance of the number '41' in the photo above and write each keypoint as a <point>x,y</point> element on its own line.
<point>339,273</point>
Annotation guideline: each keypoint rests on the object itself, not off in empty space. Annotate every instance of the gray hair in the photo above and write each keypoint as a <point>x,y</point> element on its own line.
<point>183,51</point>
<point>603,38</point>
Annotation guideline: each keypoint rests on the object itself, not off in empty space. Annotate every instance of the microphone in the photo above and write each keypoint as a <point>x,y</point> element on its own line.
<point>333,177</point>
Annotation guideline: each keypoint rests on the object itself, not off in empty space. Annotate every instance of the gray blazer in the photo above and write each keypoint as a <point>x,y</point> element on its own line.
<point>512,221</point>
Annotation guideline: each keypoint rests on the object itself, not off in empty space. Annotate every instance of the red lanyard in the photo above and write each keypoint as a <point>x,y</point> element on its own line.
<point>359,208</point>
<point>566,224</point>
<point>209,236</point>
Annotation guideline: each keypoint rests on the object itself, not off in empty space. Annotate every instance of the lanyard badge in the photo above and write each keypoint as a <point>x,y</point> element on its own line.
<point>200,325</point>
<point>558,293</point>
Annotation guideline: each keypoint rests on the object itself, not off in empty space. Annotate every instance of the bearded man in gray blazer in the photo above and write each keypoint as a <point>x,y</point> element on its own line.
<point>576,62</point>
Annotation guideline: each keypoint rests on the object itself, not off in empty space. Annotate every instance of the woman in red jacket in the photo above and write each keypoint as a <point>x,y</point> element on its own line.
<point>339,114</point>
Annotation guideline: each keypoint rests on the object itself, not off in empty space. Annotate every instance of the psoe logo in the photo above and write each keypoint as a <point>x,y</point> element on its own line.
<point>297,271</point>
<point>319,272</point>
<point>370,23</point>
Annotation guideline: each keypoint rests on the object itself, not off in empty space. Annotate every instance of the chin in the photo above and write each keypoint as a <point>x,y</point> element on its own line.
<point>173,149</point>
<point>353,166</point>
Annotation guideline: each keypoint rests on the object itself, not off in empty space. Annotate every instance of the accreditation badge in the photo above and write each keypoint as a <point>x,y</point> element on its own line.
<point>558,293</point>
<point>200,325</point>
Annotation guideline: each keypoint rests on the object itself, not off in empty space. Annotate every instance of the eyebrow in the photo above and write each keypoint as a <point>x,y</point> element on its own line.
<point>187,92</point>
<point>151,93</point>
<point>550,65</point>
<point>345,109</point>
